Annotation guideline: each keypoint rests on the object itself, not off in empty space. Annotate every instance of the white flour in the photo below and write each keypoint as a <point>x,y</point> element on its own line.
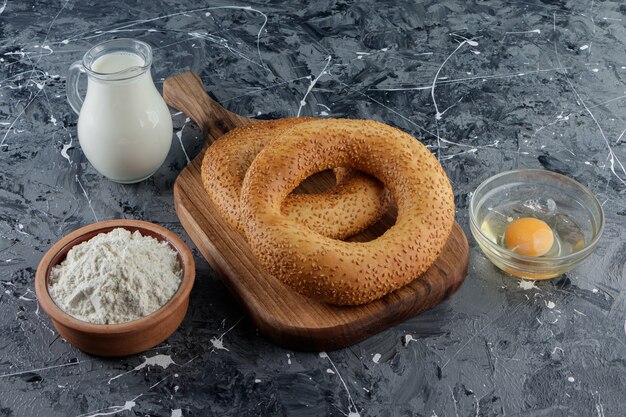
<point>115,277</point>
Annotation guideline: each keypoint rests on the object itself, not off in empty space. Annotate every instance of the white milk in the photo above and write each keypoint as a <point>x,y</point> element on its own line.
<point>124,128</point>
<point>115,62</point>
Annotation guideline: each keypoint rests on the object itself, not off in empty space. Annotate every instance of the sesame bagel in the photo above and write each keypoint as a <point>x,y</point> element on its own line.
<point>334,271</point>
<point>355,203</point>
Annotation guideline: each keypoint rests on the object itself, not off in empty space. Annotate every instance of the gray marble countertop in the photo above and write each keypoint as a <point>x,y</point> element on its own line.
<point>517,84</point>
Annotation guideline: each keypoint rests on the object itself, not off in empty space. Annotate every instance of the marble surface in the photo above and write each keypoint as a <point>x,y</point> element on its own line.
<point>487,85</point>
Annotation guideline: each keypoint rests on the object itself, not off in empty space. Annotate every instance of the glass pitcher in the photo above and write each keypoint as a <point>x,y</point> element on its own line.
<point>124,125</point>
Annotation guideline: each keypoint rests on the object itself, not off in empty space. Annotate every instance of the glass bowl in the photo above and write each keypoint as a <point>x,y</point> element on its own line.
<point>569,208</point>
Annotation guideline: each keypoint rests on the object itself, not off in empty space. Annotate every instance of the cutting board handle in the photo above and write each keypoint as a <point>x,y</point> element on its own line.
<point>185,92</point>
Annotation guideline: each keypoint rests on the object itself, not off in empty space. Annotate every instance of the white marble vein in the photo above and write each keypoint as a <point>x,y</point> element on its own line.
<point>42,369</point>
<point>114,409</point>
<point>218,342</point>
<point>163,361</point>
<point>613,160</point>
<point>352,407</point>
<point>312,84</point>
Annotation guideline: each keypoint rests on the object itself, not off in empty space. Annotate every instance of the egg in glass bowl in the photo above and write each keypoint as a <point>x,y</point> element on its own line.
<point>534,223</point>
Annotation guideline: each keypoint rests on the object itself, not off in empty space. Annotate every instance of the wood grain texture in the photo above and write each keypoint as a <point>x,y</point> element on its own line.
<point>284,316</point>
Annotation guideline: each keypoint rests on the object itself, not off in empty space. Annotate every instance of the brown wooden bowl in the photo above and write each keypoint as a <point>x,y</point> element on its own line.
<point>125,338</point>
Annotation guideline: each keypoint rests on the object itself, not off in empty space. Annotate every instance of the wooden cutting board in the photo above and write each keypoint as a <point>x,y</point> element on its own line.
<point>282,315</point>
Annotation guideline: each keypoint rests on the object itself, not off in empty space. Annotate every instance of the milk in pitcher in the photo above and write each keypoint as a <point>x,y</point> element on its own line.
<point>124,126</point>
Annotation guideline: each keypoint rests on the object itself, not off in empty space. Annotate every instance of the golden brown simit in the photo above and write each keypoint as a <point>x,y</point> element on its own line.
<point>337,272</point>
<point>331,213</point>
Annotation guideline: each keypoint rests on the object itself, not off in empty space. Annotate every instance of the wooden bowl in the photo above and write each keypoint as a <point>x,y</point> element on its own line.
<point>125,338</point>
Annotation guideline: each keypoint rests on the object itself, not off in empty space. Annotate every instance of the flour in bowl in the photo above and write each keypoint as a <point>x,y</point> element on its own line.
<point>115,277</point>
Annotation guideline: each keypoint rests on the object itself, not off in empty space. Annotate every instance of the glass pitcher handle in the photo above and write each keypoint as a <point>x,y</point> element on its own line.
<point>71,86</point>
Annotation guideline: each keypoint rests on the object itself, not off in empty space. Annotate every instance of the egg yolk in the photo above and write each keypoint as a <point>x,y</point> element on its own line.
<point>529,236</point>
